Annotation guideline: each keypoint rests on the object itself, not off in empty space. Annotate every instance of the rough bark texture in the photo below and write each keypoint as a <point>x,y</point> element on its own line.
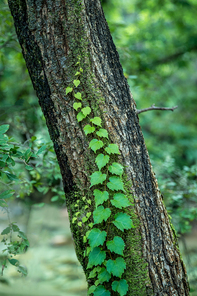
<point>52,33</point>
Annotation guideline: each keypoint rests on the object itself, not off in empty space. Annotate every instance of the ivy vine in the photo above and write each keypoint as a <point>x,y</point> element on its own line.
<point>105,256</point>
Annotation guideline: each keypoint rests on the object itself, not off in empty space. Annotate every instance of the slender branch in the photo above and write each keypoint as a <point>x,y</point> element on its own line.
<point>156,108</point>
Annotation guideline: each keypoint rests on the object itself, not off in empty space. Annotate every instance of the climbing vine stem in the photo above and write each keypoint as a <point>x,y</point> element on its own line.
<point>105,256</point>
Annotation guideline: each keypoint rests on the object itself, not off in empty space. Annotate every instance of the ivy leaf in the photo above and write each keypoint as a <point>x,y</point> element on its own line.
<point>6,194</point>
<point>96,237</point>
<point>96,121</point>
<point>76,106</point>
<point>102,160</point>
<point>100,196</point>
<point>101,214</point>
<point>116,245</point>
<point>120,201</point>
<point>116,267</point>
<point>4,128</point>
<point>88,129</point>
<point>123,221</point>
<point>76,82</point>
<point>96,257</point>
<point>101,291</point>
<point>80,116</point>
<point>95,144</point>
<point>115,184</point>
<point>112,149</point>
<point>97,178</point>
<point>78,96</point>
<point>102,133</point>
<point>116,169</point>
<point>94,272</point>
<point>91,290</point>
<point>104,275</point>
<point>86,111</point>
<point>121,287</point>
<point>68,90</point>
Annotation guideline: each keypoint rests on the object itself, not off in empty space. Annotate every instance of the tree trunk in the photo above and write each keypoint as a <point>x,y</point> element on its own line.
<point>58,39</point>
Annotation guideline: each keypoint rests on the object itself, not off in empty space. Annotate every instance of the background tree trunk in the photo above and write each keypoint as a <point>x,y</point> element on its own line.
<point>53,34</point>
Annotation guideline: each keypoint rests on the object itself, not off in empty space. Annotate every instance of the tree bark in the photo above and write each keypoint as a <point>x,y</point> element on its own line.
<point>53,35</point>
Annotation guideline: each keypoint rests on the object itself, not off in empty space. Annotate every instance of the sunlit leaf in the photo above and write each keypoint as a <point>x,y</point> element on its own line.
<point>97,178</point>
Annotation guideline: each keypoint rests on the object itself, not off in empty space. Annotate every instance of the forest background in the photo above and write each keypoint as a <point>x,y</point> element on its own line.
<point>157,44</point>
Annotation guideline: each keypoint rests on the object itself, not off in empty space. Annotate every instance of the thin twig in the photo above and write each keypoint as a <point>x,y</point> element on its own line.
<point>156,108</point>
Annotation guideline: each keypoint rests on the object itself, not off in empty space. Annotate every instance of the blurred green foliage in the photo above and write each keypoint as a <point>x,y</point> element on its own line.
<point>157,44</point>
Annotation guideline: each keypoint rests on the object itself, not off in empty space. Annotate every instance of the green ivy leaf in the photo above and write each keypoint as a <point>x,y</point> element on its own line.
<point>94,272</point>
<point>112,149</point>
<point>96,257</point>
<point>76,82</point>
<point>115,184</point>
<point>96,237</point>
<point>88,129</point>
<point>104,275</point>
<point>86,111</point>
<point>116,245</point>
<point>123,221</point>
<point>95,144</point>
<point>97,178</point>
<point>101,291</point>
<point>78,96</point>
<point>101,214</point>
<point>91,290</point>
<point>96,121</point>
<point>102,133</point>
<point>120,201</point>
<point>6,194</point>
<point>68,90</point>
<point>80,116</point>
<point>4,128</point>
<point>77,106</point>
<point>116,267</point>
<point>100,196</point>
<point>121,287</point>
<point>116,169</point>
<point>102,160</point>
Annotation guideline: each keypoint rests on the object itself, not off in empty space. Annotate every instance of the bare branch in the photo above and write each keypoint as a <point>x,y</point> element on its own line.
<point>156,108</point>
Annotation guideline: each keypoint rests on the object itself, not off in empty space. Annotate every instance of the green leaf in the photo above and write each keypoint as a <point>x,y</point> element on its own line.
<point>120,201</point>
<point>77,106</point>
<point>4,128</point>
<point>96,121</point>
<point>91,290</point>
<point>95,144</point>
<point>102,133</point>
<point>68,90</point>
<point>101,214</point>
<point>22,234</point>
<point>100,196</point>
<point>11,176</point>
<point>102,160</point>
<point>94,272</point>
<point>28,154</point>
<point>115,184</point>
<point>96,257</point>
<point>116,245</point>
<point>121,287</point>
<point>80,116</point>
<point>76,82</point>
<point>6,194</point>
<point>41,149</point>
<point>104,275</point>
<point>77,73</point>
<point>123,221</point>
<point>86,111</point>
<point>29,168</point>
<point>116,267</point>
<point>97,178</point>
<point>6,231</point>
<point>88,129</point>
<point>13,262</point>
<point>112,149</point>
<point>101,291</point>
<point>23,270</point>
<point>78,96</point>
<point>116,169</point>
<point>15,228</point>
<point>96,237</point>
<point>3,204</point>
